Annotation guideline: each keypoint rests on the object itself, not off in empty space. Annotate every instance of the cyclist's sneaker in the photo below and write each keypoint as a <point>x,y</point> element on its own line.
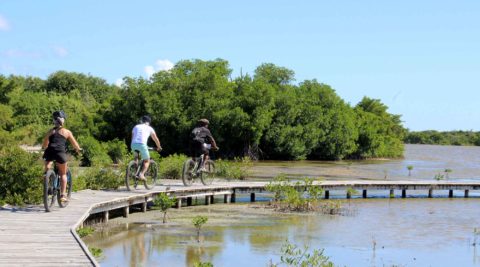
<point>203,169</point>
<point>63,199</point>
<point>141,177</point>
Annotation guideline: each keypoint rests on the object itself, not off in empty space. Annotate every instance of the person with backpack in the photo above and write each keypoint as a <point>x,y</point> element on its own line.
<point>201,141</point>
<point>140,134</point>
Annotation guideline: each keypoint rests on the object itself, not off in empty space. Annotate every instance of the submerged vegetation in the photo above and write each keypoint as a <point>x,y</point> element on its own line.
<point>294,256</point>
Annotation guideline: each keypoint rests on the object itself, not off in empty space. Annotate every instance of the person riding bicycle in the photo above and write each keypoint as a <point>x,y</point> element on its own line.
<point>201,141</point>
<point>140,134</point>
<point>54,144</point>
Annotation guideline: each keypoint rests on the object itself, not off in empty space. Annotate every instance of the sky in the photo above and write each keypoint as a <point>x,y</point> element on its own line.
<point>420,58</point>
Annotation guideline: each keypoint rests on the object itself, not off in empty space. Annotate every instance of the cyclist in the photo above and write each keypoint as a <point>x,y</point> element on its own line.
<point>140,134</point>
<point>54,144</point>
<point>201,141</point>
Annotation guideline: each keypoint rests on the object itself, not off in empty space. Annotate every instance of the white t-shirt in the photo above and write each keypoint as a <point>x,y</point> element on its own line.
<point>141,133</point>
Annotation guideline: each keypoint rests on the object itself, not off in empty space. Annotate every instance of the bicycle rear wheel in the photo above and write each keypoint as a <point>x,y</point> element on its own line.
<point>68,190</point>
<point>188,172</point>
<point>49,188</point>
<point>130,181</point>
<point>151,175</point>
<point>208,175</point>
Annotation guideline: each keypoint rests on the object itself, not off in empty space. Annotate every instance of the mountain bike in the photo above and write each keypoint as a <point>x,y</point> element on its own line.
<point>192,170</point>
<point>135,167</point>
<point>52,188</point>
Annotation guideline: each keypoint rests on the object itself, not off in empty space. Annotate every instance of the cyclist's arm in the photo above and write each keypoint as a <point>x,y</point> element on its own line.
<point>153,135</point>
<point>74,142</point>
<point>45,139</point>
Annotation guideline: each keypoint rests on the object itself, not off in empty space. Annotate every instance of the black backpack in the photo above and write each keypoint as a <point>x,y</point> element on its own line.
<point>196,136</point>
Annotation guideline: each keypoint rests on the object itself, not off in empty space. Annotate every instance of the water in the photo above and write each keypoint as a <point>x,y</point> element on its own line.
<point>374,232</point>
<point>427,161</point>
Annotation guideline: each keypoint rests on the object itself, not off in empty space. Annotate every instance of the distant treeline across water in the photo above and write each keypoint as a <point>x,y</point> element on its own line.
<point>455,138</point>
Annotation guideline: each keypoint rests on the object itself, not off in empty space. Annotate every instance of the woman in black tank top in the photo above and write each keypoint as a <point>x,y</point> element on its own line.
<point>54,144</point>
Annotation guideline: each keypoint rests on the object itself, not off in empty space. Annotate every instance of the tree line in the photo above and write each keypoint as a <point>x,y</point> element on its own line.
<point>455,138</point>
<point>264,115</point>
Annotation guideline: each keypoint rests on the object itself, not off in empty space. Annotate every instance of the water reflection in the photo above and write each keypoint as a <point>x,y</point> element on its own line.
<point>383,232</point>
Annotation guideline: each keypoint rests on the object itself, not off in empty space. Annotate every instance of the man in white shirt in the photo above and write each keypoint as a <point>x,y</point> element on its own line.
<point>140,134</point>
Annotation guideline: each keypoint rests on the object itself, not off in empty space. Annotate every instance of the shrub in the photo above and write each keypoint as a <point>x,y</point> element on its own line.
<point>117,150</point>
<point>237,169</point>
<point>171,167</point>
<point>164,202</point>
<point>20,174</point>
<point>94,154</point>
<point>103,178</point>
<point>294,256</point>
<point>79,183</point>
<point>83,232</point>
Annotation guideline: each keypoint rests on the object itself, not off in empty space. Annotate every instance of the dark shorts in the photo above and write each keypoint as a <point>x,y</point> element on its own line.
<point>53,155</point>
<point>198,149</point>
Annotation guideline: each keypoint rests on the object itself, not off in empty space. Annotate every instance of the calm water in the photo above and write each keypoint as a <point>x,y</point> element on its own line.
<point>374,232</point>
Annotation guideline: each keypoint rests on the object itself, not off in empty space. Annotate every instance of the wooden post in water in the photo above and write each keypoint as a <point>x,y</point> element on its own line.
<point>212,199</point>
<point>349,194</point>
<point>450,193</point>
<point>189,201</point>
<point>466,193</point>
<point>233,197</point>
<point>126,211</point>
<point>364,193</point>
<point>207,200</point>
<point>327,194</point>
<point>226,198</point>
<point>106,216</point>
<point>404,193</point>
<point>144,205</point>
<point>252,197</point>
<point>179,203</point>
<point>430,193</point>
<point>392,193</point>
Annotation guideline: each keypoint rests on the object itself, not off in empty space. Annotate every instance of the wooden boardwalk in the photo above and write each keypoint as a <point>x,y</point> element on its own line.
<point>31,237</point>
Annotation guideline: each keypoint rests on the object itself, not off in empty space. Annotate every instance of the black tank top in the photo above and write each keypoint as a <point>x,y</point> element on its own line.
<point>57,141</point>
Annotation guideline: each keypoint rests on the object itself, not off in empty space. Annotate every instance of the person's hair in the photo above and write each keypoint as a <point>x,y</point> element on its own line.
<point>59,117</point>
<point>146,119</point>
<point>203,122</point>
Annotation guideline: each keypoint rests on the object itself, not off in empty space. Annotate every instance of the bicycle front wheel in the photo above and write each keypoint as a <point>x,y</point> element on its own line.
<point>49,188</point>
<point>151,175</point>
<point>208,175</point>
<point>188,172</point>
<point>130,181</point>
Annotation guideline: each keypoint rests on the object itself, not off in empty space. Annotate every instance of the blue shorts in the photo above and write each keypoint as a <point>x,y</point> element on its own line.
<point>143,150</point>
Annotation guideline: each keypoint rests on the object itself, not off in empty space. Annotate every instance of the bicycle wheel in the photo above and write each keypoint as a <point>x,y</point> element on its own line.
<point>68,190</point>
<point>151,175</point>
<point>188,172</point>
<point>49,194</point>
<point>130,181</point>
<point>208,175</point>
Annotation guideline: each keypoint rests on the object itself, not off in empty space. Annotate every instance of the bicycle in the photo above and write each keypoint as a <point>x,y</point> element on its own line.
<point>191,171</point>
<point>134,169</point>
<point>51,188</point>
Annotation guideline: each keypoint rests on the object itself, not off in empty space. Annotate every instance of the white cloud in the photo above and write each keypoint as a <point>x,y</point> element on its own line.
<point>60,51</point>
<point>4,25</point>
<point>19,53</point>
<point>160,65</point>
<point>119,82</point>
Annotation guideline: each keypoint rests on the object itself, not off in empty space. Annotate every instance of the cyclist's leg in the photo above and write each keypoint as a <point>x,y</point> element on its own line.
<point>145,158</point>
<point>61,161</point>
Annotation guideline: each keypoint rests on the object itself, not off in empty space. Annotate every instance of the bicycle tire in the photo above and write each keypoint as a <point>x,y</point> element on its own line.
<point>151,175</point>
<point>207,177</point>
<point>130,180</point>
<point>49,189</point>
<point>187,171</point>
<point>68,190</point>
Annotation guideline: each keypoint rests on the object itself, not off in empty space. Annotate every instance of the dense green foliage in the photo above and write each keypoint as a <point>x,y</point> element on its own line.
<point>456,138</point>
<point>263,116</point>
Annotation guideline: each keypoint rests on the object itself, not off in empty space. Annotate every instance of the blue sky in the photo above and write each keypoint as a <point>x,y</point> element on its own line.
<point>420,58</point>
